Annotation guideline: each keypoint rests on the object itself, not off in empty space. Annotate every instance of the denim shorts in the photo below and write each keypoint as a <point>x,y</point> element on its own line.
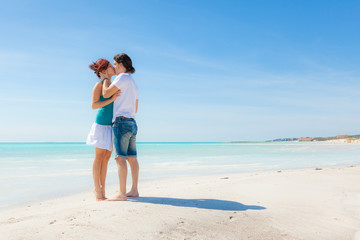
<point>125,131</point>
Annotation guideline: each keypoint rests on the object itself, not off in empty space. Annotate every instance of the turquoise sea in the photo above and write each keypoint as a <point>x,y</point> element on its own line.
<point>36,171</point>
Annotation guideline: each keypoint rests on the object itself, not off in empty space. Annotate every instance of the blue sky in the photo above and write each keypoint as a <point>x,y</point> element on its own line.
<point>206,70</point>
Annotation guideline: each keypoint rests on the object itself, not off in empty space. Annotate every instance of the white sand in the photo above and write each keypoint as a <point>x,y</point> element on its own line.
<point>300,204</point>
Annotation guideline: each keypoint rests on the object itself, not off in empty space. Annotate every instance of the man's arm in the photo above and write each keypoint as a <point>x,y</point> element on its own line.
<point>95,104</point>
<point>108,89</point>
<point>137,104</point>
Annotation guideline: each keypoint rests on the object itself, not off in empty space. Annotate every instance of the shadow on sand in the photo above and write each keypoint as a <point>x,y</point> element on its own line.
<point>198,203</point>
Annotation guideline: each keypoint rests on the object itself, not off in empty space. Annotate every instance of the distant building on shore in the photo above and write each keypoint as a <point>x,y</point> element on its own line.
<point>307,139</point>
<point>343,136</point>
<point>339,138</point>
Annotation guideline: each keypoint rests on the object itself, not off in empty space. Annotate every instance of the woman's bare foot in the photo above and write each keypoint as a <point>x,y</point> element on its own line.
<point>120,197</point>
<point>133,193</point>
<point>98,195</point>
<point>103,193</point>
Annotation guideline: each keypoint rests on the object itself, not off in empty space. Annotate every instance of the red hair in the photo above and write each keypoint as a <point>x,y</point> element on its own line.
<point>99,66</point>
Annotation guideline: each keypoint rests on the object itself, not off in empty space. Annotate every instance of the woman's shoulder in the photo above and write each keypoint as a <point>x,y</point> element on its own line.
<point>98,85</point>
<point>97,88</point>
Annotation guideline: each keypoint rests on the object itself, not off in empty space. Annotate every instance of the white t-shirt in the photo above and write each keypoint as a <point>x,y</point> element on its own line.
<point>125,104</point>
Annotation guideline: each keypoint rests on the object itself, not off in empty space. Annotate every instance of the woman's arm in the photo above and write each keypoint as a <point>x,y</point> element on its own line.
<point>137,104</point>
<point>96,93</point>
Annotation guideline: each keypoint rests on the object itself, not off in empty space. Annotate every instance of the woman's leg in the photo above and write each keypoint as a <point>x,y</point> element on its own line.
<point>99,156</point>
<point>103,170</point>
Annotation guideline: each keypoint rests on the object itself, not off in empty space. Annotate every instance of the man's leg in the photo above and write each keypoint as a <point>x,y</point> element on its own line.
<point>121,144</point>
<point>134,165</point>
<point>122,171</point>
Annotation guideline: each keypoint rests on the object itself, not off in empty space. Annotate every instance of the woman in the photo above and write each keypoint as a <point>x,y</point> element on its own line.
<point>100,134</point>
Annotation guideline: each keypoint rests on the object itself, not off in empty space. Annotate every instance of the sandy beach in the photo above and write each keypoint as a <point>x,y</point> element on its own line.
<point>294,204</point>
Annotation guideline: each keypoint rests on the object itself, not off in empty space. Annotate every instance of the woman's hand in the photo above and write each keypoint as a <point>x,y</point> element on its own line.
<point>117,94</point>
<point>103,75</point>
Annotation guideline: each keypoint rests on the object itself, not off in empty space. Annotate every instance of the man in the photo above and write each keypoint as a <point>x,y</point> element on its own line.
<point>124,124</point>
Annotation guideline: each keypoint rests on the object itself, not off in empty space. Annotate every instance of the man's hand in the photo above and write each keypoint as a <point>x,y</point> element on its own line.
<point>117,94</point>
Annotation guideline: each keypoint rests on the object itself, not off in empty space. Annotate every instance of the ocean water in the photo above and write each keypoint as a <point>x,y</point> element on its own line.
<point>36,171</point>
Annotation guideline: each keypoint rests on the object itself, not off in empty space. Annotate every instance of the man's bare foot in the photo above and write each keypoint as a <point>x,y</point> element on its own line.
<point>120,197</point>
<point>133,193</point>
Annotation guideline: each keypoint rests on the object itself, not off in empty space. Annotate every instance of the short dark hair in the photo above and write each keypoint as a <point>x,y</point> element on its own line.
<point>126,61</point>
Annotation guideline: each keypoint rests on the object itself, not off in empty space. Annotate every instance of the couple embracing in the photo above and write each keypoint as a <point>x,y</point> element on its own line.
<point>115,124</point>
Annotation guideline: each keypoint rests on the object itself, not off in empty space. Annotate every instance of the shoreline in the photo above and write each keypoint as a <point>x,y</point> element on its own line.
<point>285,204</point>
<point>341,140</point>
<point>150,180</point>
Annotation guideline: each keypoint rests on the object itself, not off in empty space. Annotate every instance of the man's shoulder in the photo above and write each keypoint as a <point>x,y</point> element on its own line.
<point>120,79</point>
<point>123,77</point>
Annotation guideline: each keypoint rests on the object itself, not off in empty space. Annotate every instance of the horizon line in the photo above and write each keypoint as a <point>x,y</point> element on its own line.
<point>137,142</point>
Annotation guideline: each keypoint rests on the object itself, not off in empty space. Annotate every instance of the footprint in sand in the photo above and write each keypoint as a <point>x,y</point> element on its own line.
<point>71,218</point>
<point>52,222</point>
<point>12,220</point>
